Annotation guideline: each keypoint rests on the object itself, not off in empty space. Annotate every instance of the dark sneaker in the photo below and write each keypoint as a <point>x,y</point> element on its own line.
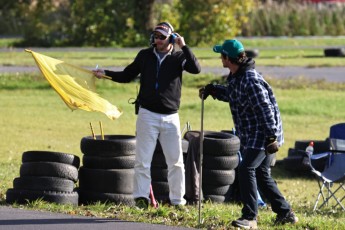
<point>245,224</point>
<point>290,217</point>
<point>141,202</point>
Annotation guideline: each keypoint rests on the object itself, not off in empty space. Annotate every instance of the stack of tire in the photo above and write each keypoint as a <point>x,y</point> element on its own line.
<point>295,161</point>
<point>159,175</point>
<point>159,172</point>
<point>49,176</point>
<point>107,174</point>
<point>220,158</point>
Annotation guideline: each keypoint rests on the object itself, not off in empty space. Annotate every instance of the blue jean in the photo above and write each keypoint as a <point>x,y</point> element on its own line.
<point>254,172</point>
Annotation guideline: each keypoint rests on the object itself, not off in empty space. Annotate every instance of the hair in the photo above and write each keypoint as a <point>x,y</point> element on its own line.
<point>240,59</point>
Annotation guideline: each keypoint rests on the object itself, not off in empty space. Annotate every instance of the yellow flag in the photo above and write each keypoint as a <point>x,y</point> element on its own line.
<point>75,85</point>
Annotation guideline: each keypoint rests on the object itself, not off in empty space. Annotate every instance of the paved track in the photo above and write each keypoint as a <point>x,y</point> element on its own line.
<point>19,219</point>
<point>332,74</point>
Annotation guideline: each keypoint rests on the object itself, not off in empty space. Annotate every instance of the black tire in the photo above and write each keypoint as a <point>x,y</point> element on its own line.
<point>215,198</point>
<point>37,156</point>
<point>49,169</point>
<point>24,196</point>
<point>334,52</point>
<point>120,162</point>
<point>295,164</point>
<point>209,189</point>
<point>190,135</point>
<point>91,197</point>
<point>293,153</point>
<point>43,184</point>
<point>118,181</point>
<point>218,177</point>
<point>111,146</point>
<point>159,174</point>
<point>220,144</point>
<point>220,162</point>
<point>163,199</point>
<point>158,160</point>
<point>160,188</point>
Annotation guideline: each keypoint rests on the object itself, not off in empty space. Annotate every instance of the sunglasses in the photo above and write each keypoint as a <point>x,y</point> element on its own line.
<point>160,37</point>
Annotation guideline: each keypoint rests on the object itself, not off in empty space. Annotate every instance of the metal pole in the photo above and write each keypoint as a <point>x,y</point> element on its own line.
<point>201,153</point>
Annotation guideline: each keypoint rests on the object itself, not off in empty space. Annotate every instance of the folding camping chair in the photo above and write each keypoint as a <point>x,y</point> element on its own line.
<point>334,172</point>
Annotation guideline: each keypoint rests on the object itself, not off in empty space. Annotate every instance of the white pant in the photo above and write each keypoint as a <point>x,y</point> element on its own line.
<point>166,128</point>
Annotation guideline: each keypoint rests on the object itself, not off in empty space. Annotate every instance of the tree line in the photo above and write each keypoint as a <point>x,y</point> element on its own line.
<point>128,23</point>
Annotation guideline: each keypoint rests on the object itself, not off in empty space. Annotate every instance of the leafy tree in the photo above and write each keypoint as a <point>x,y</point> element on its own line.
<point>144,15</point>
<point>110,22</point>
<point>167,11</point>
<point>43,23</point>
<point>98,23</point>
<point>10,18</point>
<point>211,21</point>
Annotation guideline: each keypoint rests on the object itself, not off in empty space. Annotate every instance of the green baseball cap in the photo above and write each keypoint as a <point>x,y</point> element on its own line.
<point>231,48</point>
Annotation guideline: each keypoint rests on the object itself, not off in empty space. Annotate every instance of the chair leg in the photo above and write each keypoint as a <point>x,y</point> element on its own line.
<point>339,201</point>
<point>320,194</point>
<point>332,194</point>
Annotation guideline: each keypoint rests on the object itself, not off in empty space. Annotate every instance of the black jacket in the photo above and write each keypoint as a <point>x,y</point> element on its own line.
<point>160,83</point>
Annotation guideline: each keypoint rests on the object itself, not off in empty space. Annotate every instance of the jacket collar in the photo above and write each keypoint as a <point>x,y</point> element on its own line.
<point>247,65</point>
<point>168,53</point>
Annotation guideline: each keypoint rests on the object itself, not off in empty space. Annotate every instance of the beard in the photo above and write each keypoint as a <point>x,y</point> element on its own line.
<point>163,47</point>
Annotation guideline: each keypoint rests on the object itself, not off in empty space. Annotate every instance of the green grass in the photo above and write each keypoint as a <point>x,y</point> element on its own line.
<point>207,58</point>
<point>272,52</point>
<point>8,42</point>
<point>33,117</point>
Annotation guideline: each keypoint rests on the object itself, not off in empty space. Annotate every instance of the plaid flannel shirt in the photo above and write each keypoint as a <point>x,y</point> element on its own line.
<point>253,106</point>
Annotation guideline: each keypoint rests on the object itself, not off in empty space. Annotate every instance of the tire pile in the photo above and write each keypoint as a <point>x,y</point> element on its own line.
<point>296,162</point>
<point>50,176</point>
<point>220,158</point>
<point>107,174</point>
<point>159,175</point>
<point>159,172</point>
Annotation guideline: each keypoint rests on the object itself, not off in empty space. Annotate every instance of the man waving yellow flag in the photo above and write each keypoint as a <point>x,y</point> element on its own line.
<point>75,85</point>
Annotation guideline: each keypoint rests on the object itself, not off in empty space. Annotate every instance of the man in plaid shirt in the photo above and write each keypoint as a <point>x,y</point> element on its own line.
<point>258,124</point>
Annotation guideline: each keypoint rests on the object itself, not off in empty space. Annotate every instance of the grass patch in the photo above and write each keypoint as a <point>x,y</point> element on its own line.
<point>8,42</point>
<point>272,52</point>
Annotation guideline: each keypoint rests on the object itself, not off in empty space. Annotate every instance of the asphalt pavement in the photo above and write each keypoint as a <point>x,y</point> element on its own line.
<point>20,219</point>
<point>331,74</point>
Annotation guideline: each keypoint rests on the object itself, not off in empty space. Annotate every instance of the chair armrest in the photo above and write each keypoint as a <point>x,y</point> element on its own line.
<point>306,160</point>
<point>320,155</point>
<point>337,151</point>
